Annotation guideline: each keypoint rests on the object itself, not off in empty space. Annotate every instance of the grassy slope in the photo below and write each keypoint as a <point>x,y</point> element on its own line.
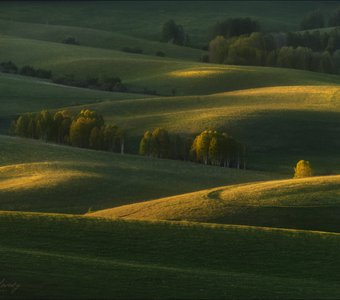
<point>144,19</point>
<point>131,259</point>
<point>311,203</point>
<point>161,74</point>
<point>21,94</point>
<point>36,176</point>
<point>95,38</point>
<point>280,125</point>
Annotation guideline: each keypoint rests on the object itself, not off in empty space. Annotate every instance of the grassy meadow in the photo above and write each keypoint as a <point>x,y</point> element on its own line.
<point>96,258</point>
<point>36,176</point>
<point>311,204</point>
<point>77,223</point>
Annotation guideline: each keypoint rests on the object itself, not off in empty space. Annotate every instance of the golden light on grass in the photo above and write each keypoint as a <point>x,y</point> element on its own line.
<point>35,175</point>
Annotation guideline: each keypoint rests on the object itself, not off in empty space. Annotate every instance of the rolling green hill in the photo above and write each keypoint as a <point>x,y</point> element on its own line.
<point>21,94</point>
<point>165,75</point>
<point>36,176</point>
<point>95,38</point>
<point>96,258</point>
<point>145,19</point>
<point>311,203</point>
<point>280,125</point>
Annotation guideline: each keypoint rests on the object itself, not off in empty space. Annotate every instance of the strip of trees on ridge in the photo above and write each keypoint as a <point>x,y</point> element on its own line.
<point>209,147</point>
<point>87,129</point>
<point>104,83</point>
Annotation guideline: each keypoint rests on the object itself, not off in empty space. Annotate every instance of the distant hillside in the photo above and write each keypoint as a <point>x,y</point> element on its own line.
<point>96,38</point>
<point>145,19</point>
<point>163,75</point>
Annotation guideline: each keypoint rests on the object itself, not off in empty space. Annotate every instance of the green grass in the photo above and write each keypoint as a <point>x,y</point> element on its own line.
<point>36,176</point>
<point>160,74</point>
<point>21,94</point>
<point>95,38</point>
<point>57,256</point>
<point>311,203</point>
<point>145,19</point>
<point>279,125</point>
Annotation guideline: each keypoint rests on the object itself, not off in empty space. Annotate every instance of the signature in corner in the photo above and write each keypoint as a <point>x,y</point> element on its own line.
<point>9,286</point>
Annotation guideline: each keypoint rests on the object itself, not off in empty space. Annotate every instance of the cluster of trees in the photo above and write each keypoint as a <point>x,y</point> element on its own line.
<point>174,33</point>
<point>209,147</point>
<point>10,67</point>
<point>235,27</point>
<point>160,144</point>
<point>261,49</point>
<point>113,84</point>
<point>219,149</point>
<point>317,19</point>
<point>86,130</point>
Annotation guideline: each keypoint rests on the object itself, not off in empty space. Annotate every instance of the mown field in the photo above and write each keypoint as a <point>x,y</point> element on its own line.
<point>311,204</point>
<point>35,176</point>
<point>95,258</point>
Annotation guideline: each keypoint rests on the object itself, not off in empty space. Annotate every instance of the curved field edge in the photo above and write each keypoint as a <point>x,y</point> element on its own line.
<point>97,179</point>
<point>212,259</point>
<point>309,203</point>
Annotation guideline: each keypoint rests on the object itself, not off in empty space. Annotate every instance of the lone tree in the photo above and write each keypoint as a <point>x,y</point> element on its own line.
<point>303,169</point>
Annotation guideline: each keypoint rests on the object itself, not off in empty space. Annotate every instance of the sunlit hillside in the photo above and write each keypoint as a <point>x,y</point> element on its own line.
<point>311,203</point>
<point>35,176</point>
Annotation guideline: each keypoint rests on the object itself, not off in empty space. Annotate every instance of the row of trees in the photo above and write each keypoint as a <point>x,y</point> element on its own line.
<point>261,49</point>
<point>105,83</point>
<point>10,67</point>
<point>86,130</point>
<point>317,19</point>
<point>209,147</point>
<point>315,40</point>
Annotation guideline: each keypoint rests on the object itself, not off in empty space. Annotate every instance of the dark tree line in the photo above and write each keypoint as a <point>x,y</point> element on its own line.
<point>261,49</point>
<point>317,19</point>
<point>112,84</point>
<point>209,147</point>
<point>10,67</point>
<point>86,130</point>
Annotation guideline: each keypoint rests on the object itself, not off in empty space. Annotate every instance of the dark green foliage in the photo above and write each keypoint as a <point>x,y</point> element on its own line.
<point>314,19</point>
<point>155,143</point>
<point>71,40</point>
<point>173,33</point>
<point>112,84</point>
<point>260,49</point>
<point>8,67</point>
<point>235,27</point>
<point>209,147</point>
